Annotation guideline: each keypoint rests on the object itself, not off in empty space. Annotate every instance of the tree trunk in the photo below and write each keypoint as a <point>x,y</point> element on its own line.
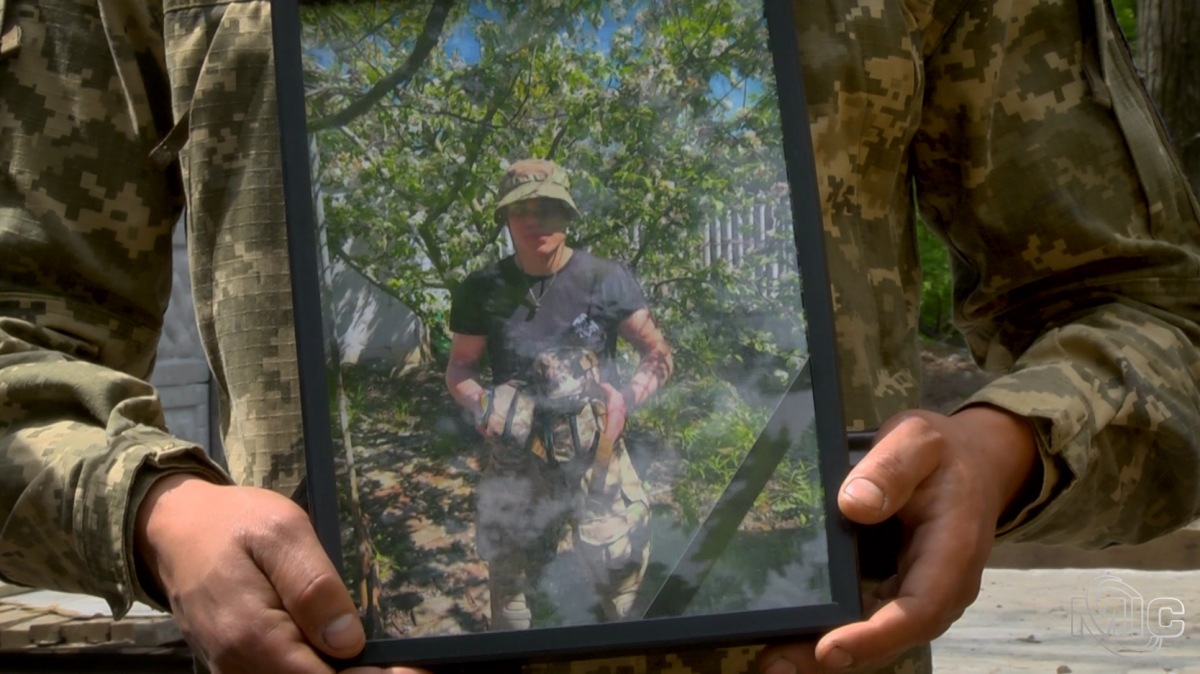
<point>369,586</point>
<point>1168,54</point>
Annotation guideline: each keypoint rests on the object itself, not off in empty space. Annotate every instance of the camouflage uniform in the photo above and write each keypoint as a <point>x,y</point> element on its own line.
<point>552,485</point>
<point>547,489</point>
<point>1035,152</point>
<point>97,99</point>
<point>531,513</point>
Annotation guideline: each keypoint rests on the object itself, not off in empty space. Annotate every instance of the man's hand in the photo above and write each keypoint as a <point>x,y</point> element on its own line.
<point>247,579</point>
<point>948,479</point>
<point>615,406</point>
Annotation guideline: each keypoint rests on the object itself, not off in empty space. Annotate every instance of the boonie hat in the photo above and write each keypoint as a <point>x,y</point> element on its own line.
<point>535,179</point>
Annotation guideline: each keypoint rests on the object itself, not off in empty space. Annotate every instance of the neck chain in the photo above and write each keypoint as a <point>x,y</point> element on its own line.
<point>537,301</point>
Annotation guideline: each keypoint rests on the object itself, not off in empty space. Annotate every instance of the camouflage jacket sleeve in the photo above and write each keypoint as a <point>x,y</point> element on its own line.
<point>1075,242</point>
<point>85,245</point>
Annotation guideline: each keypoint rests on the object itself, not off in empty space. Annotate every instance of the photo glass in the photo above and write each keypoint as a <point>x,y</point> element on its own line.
<point>567,360</point>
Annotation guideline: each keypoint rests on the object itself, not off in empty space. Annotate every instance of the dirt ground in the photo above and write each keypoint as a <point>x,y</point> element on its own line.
<point>418,487</point>
<point>949,377</point>
<point>418,468</point>
<point>1022,622</point>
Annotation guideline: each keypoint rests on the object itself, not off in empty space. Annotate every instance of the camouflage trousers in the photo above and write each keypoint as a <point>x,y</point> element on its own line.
<point>540,524</point>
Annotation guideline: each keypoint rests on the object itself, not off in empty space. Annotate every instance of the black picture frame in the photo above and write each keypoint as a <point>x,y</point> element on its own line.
<point>649,634</point>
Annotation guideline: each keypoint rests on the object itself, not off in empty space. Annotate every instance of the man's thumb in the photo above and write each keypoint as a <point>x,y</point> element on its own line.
<point>907,450</point>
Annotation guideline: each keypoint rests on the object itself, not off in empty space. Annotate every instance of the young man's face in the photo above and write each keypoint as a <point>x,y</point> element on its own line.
<point>538,225</point>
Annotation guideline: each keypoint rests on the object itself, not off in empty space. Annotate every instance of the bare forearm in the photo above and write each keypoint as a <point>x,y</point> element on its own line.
<point>1006,442</point>
<point>652,372</point>
<point>464,385</point>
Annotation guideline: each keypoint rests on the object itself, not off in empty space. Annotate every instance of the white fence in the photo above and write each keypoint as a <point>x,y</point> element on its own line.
<point>734,238</point>
<point>739,234</point>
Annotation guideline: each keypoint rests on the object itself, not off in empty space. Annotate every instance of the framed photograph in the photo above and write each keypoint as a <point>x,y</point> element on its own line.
<point>565,331</point>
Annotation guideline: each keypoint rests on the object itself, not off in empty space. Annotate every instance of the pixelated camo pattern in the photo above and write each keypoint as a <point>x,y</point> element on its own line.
<point>1034,153</point>
<point>96,97</point>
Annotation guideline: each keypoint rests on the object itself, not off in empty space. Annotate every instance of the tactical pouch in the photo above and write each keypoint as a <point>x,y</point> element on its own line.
<point>571,438</point>
<point>571,406</point>
<point>508,419</point>
<point>568,429</point>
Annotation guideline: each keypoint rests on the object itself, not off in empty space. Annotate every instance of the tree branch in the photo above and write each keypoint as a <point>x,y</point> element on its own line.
<point>691,49</point>
<point>677,279</point>
<point>562,131</point>
<point>430,35</point>
<point>642,249</point>
<point>349,262</point>
<point>354,138</point>
<point>391,17</point>
<point>427,230</point>
<point>495,234</point>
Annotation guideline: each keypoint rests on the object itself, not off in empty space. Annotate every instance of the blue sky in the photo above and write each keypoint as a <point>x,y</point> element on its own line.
<point>462,40</point>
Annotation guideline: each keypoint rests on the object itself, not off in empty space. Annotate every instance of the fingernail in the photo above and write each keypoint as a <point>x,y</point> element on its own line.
<point>780,666</point>
<point>865,493</point>
<point>838,659</point>
<point>340,633</point>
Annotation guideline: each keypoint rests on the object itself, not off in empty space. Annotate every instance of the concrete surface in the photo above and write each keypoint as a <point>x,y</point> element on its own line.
<point>1022,623</point>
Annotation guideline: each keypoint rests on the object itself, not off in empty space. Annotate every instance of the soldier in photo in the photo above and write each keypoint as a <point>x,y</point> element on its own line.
<point>556,473</point>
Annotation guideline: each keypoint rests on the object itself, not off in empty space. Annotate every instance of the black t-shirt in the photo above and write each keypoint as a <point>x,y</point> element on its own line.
<point>581,307</point>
